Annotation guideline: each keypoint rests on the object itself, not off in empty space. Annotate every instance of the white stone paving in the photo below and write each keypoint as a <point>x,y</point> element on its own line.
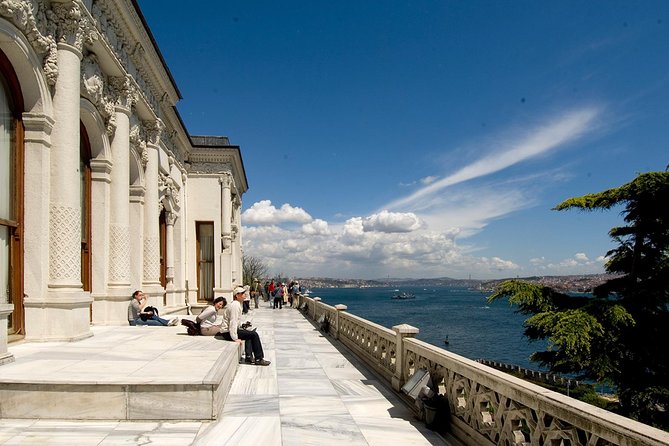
<point>312,394</point>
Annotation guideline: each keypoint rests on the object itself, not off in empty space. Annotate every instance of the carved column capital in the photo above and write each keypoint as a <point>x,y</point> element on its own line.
<point>171,218</point>
<point>71,25</point>
<point>123,93</point>
<point>226,180</point>
<point>153,130</point>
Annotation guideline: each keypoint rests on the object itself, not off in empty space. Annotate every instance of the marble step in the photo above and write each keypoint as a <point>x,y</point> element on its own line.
<point>121,373</point>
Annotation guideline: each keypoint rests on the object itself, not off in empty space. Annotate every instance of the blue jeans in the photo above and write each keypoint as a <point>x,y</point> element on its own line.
<point>153,320</point>
<point>252,345</point>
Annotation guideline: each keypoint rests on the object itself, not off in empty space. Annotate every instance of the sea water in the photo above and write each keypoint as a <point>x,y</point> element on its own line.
<point>473,327</point>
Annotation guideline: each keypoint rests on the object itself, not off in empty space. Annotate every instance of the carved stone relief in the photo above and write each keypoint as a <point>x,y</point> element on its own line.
<point>169,193</point>
<point>119,245</point>
<point>31,18</point>
<point>138,144</point>
<point>151,268</point>
<point>65,228</point>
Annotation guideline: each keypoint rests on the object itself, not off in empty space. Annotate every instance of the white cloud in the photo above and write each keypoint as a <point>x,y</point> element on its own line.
<point>428,179</point>
<point>316,227</point>
<point>579,263</point>
<point>581,257</point>
<point>386,221</point>
<point>264,213</point>
<point>498,264</point>
<point>348,250</point>
<point>537,141</point>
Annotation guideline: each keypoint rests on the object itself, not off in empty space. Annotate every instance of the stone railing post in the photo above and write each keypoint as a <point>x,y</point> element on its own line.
<point>316,301</point>
<point>402,331</point>
<point>339,308</point>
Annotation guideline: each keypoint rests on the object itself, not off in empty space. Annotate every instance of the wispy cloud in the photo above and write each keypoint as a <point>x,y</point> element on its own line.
<point>416,235</point>
<point>556,133</point>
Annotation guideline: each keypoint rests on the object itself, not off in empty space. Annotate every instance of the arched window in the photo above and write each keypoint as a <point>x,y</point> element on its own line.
<point>11,194</point>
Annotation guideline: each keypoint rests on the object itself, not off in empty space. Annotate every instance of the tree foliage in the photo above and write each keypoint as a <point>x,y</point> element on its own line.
<point>619,335</point>
<point>253,268</point>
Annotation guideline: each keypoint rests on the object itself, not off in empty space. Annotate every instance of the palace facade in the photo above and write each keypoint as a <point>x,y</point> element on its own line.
<point>102,189</point>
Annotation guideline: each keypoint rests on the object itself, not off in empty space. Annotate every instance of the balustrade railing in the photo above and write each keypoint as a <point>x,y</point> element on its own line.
<point>487,406</point>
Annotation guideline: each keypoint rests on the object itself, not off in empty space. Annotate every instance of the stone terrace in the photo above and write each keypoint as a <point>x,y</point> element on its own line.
<point>157,385</point>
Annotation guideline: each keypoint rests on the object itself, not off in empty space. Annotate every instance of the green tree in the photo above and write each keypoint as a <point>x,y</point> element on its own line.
<point>619,335</point>
<point>252,268</point>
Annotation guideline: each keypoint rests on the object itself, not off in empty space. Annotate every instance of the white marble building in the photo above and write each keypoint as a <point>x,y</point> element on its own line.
<point>102,189</point>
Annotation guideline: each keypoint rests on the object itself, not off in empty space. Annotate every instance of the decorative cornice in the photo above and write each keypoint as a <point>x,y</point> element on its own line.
<point>209,168</point>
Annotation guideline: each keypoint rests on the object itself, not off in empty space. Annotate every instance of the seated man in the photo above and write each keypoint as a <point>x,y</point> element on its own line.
<point>137,315</point>
<point>207,319</point>
<point>231,331</point>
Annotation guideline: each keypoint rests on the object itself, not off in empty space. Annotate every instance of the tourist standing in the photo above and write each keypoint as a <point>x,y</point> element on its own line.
<point>255,290</point>
<point>284,290</point>
<point>278,297</point>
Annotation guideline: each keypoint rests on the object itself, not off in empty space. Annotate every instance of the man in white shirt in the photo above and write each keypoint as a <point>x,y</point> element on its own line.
<point>231,331</point>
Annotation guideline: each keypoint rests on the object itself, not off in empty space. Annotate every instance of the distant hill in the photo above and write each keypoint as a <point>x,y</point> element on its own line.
<point>579,283</point>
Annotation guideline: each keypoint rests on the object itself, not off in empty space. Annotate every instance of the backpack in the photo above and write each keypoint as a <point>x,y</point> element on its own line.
<point>144,317</point>
<point>192,327</point>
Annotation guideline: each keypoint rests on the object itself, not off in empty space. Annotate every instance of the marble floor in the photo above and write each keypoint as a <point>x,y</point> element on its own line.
<point>313,393</point>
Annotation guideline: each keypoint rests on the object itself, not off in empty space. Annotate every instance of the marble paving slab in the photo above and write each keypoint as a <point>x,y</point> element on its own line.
<point>315,392</point>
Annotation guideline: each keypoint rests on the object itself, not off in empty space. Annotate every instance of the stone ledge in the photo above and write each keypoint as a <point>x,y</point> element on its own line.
<point>122,373</point>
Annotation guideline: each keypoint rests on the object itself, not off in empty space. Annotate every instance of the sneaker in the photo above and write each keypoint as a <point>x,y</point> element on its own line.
<point>262,362</point>
<point>248,361</point>
<point>173,321</point>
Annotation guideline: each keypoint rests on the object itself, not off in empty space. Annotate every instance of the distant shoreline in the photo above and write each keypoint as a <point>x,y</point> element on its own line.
<point>584,283</point>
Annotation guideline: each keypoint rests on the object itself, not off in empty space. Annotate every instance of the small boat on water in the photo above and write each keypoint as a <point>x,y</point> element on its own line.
<point>403,296</point>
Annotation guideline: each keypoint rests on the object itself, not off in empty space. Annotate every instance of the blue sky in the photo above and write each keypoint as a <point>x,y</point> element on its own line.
<point>425,138</point>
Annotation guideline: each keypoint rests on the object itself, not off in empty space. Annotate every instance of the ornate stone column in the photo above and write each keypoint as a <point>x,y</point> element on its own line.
<point>170,219</point>
<point>225,272</point>
<point>119,227</point>
<point>236,241</point>
<point>226,182</point>
<point>151,246</point>
<point>63,314</point>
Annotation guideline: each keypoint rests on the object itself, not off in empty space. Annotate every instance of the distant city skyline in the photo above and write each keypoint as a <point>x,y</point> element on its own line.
<point>425,138</point>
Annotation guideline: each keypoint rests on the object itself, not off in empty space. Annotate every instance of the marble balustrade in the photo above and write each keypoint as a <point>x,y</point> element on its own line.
<point>487,406</point>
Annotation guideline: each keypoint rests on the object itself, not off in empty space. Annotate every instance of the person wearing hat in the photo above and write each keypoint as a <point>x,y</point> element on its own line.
<point>231,331</point>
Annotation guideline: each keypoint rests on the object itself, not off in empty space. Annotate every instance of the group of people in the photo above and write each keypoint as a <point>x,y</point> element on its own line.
<point>279,293</point>
<point>229,327</point>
